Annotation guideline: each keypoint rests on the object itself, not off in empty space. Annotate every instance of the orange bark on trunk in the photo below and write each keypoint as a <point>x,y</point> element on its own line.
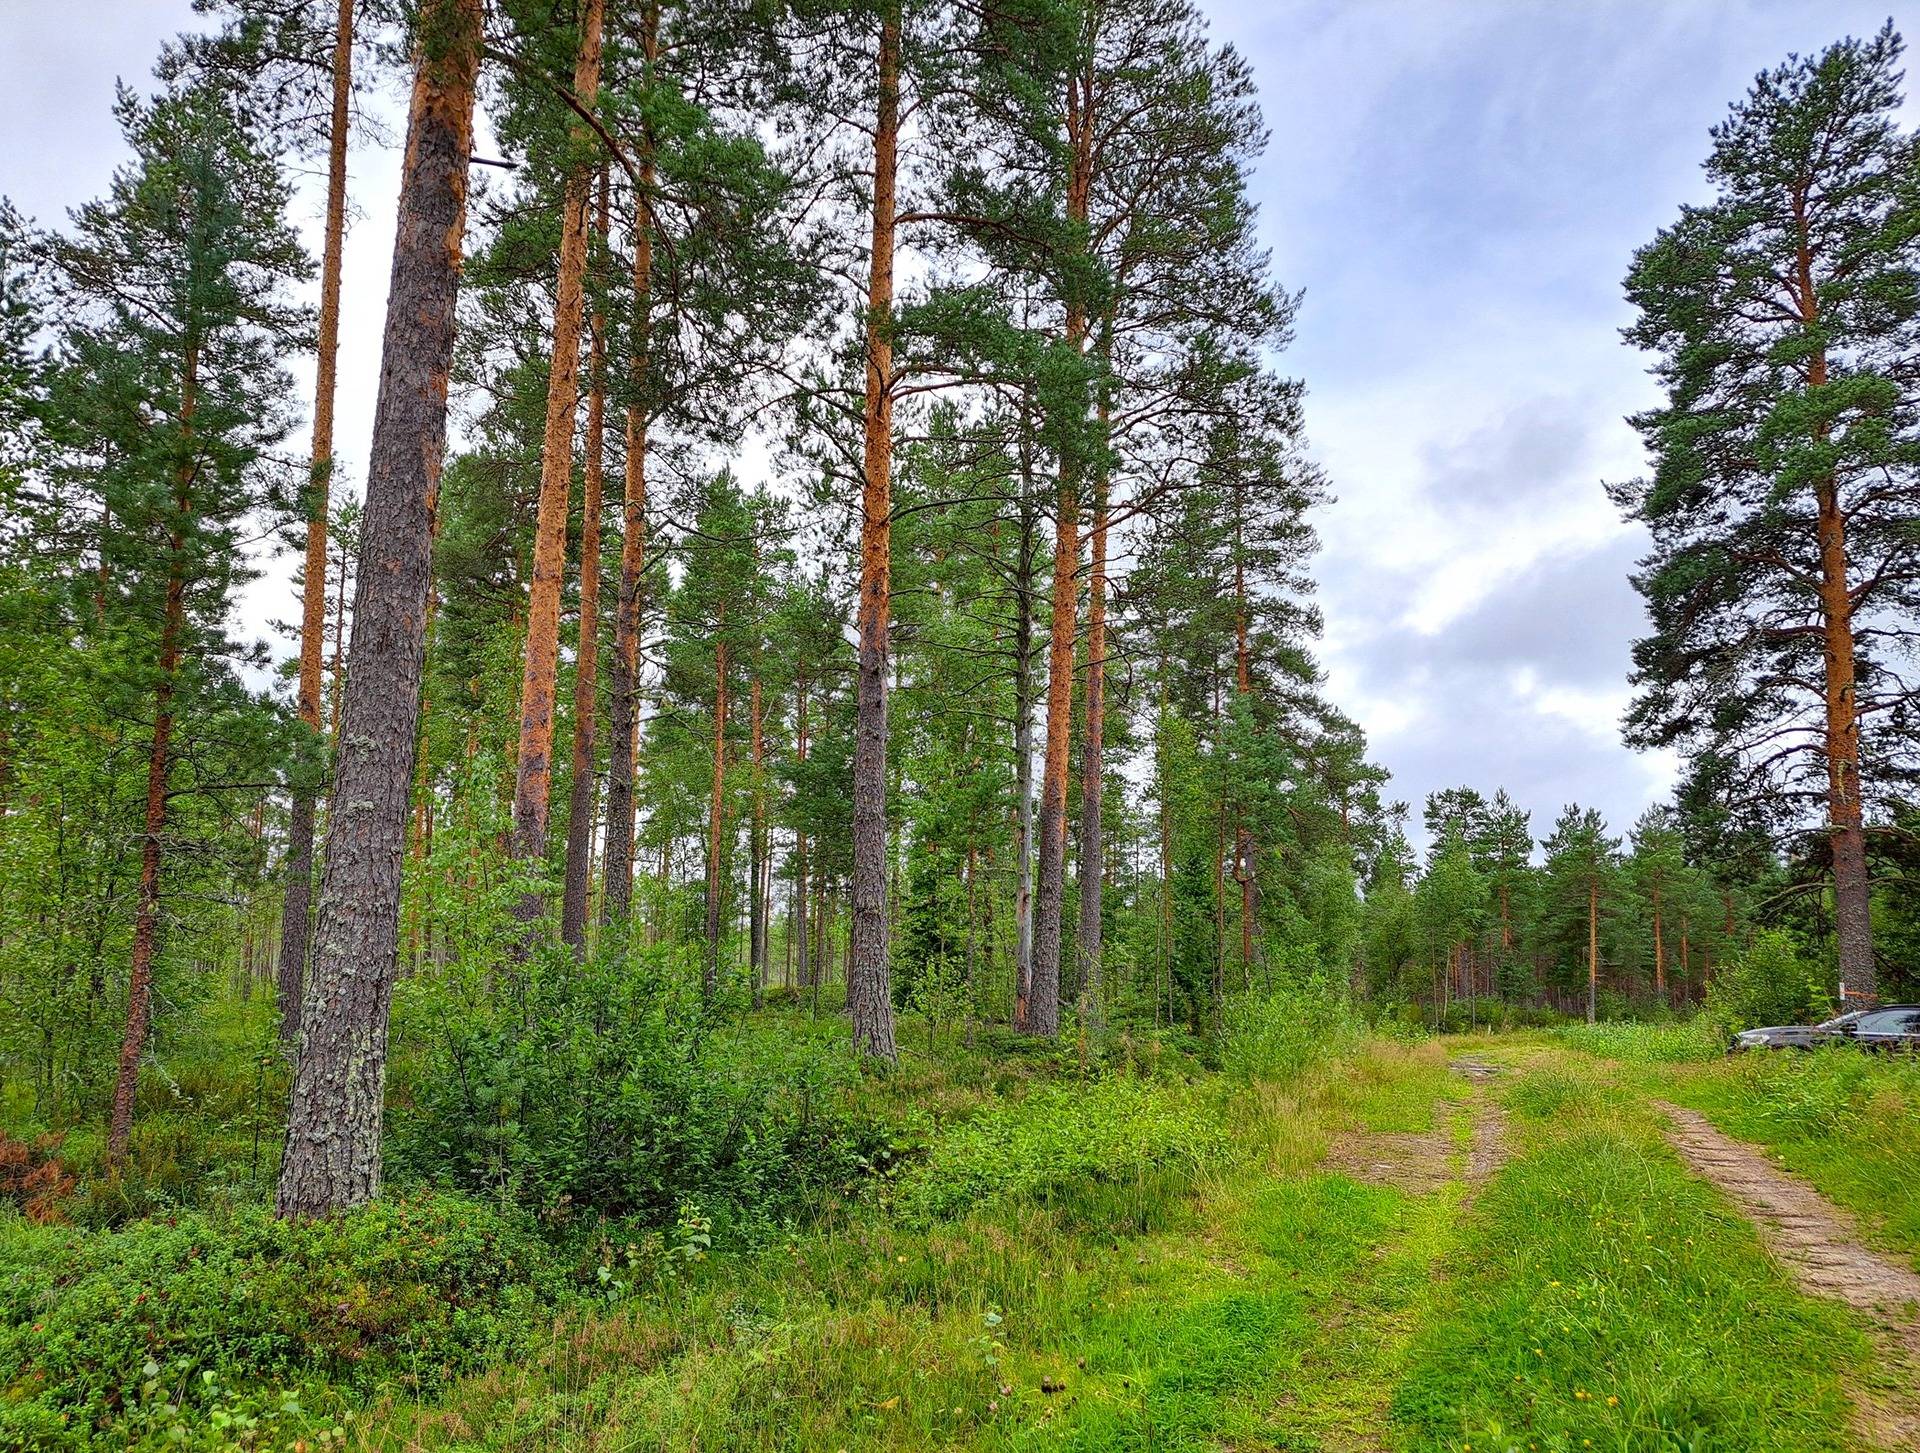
<point>296,911</point>
<point>1852,919</point>
<point>533,780</point>
<point>869,995</point>
<point>1042,1009</point>
<point>623,704</point>
<point>1659,948</point>
<point>586,680</point>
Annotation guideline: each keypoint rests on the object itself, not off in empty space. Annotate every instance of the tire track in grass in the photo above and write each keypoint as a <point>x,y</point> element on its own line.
<point>1414,1186</point>
<point>1820,1244</point>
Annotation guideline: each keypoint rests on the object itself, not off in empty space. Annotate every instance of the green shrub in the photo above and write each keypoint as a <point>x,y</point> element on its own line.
<point>1274,1036</point>
<point>1767,982</point>
<point>1691,1041</point>
<point>600,1087</point>
<point>104,1333</point>
<point>1060,1137</point>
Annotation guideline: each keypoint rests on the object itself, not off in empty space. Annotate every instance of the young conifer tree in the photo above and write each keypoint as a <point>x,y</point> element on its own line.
<point>180,319</point>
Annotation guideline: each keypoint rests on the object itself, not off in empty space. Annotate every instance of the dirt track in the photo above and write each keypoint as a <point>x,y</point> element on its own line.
<point>1820,1244</point>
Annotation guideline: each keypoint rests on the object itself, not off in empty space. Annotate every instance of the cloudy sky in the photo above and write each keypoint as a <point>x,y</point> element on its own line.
<point>1457,185</point>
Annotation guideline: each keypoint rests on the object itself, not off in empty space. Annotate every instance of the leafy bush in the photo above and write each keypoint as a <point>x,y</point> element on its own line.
<point>1767,982</point>
<point>602,1085</point>
<point>1103,1132</point>
<point>164,1317</point>
<point>1691,1041</point>
<point>1277,1035</point>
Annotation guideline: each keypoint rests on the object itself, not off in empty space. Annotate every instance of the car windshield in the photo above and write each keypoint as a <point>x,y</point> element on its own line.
<point>1845,1021</point>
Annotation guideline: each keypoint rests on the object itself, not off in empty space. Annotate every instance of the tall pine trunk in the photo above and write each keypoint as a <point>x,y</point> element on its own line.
<point>1852,919</point>
<point>716,821</point>
<point>804,971</point>
<point>296,911</point>
<point>586,680</point>
<point>332,1157</point>
<point>624,688</point>
<point>1092,772</point>
<point>1023,731</point>
<point>1659,947</point>
<point>1043,1006</point>
<point>757,851</point>
<point>869,993</point>
<point>1243,684</point>
<point>533,780</point>
<point>1593,948</point>
<point>146,914</point>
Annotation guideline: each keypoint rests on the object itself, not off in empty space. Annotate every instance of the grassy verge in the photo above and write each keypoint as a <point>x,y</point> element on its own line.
<point>1848,1121</point>
<point>1606,1299</point>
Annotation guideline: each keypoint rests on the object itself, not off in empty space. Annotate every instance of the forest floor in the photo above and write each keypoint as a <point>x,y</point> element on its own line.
<point>1487,1243</point>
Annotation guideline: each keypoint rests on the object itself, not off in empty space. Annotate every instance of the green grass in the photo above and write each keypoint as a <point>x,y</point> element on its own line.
<point>1695,1040</point>
<point>1604,1298</point>
<point>1849,1122</point>
<point>1161,1260</point>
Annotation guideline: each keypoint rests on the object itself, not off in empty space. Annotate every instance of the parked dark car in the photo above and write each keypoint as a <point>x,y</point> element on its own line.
<point>1889,1028</point>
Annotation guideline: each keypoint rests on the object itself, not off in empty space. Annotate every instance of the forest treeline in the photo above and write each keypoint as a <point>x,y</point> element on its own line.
<point>837,526</point>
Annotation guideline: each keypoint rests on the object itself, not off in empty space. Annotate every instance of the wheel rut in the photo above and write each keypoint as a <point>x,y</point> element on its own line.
<point>1820,1244</point>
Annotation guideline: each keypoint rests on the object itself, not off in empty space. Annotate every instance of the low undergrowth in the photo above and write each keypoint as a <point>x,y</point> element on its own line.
<point>1132,1268</point>
<point>199,1328</point>
<point>1696,1040</point>
<point>1067,1141</point>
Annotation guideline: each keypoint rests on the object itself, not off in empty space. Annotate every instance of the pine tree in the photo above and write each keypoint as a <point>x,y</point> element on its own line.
<point>332,1157</point>
<point>178,279</point>
<point>292,65</point>
<point>538,686</point>
<point>1784,316</point>
<point>1580,868</point>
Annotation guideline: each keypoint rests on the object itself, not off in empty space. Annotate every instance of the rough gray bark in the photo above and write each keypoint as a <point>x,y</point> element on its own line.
<point>332,1158</point>
<point>869,990</point>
